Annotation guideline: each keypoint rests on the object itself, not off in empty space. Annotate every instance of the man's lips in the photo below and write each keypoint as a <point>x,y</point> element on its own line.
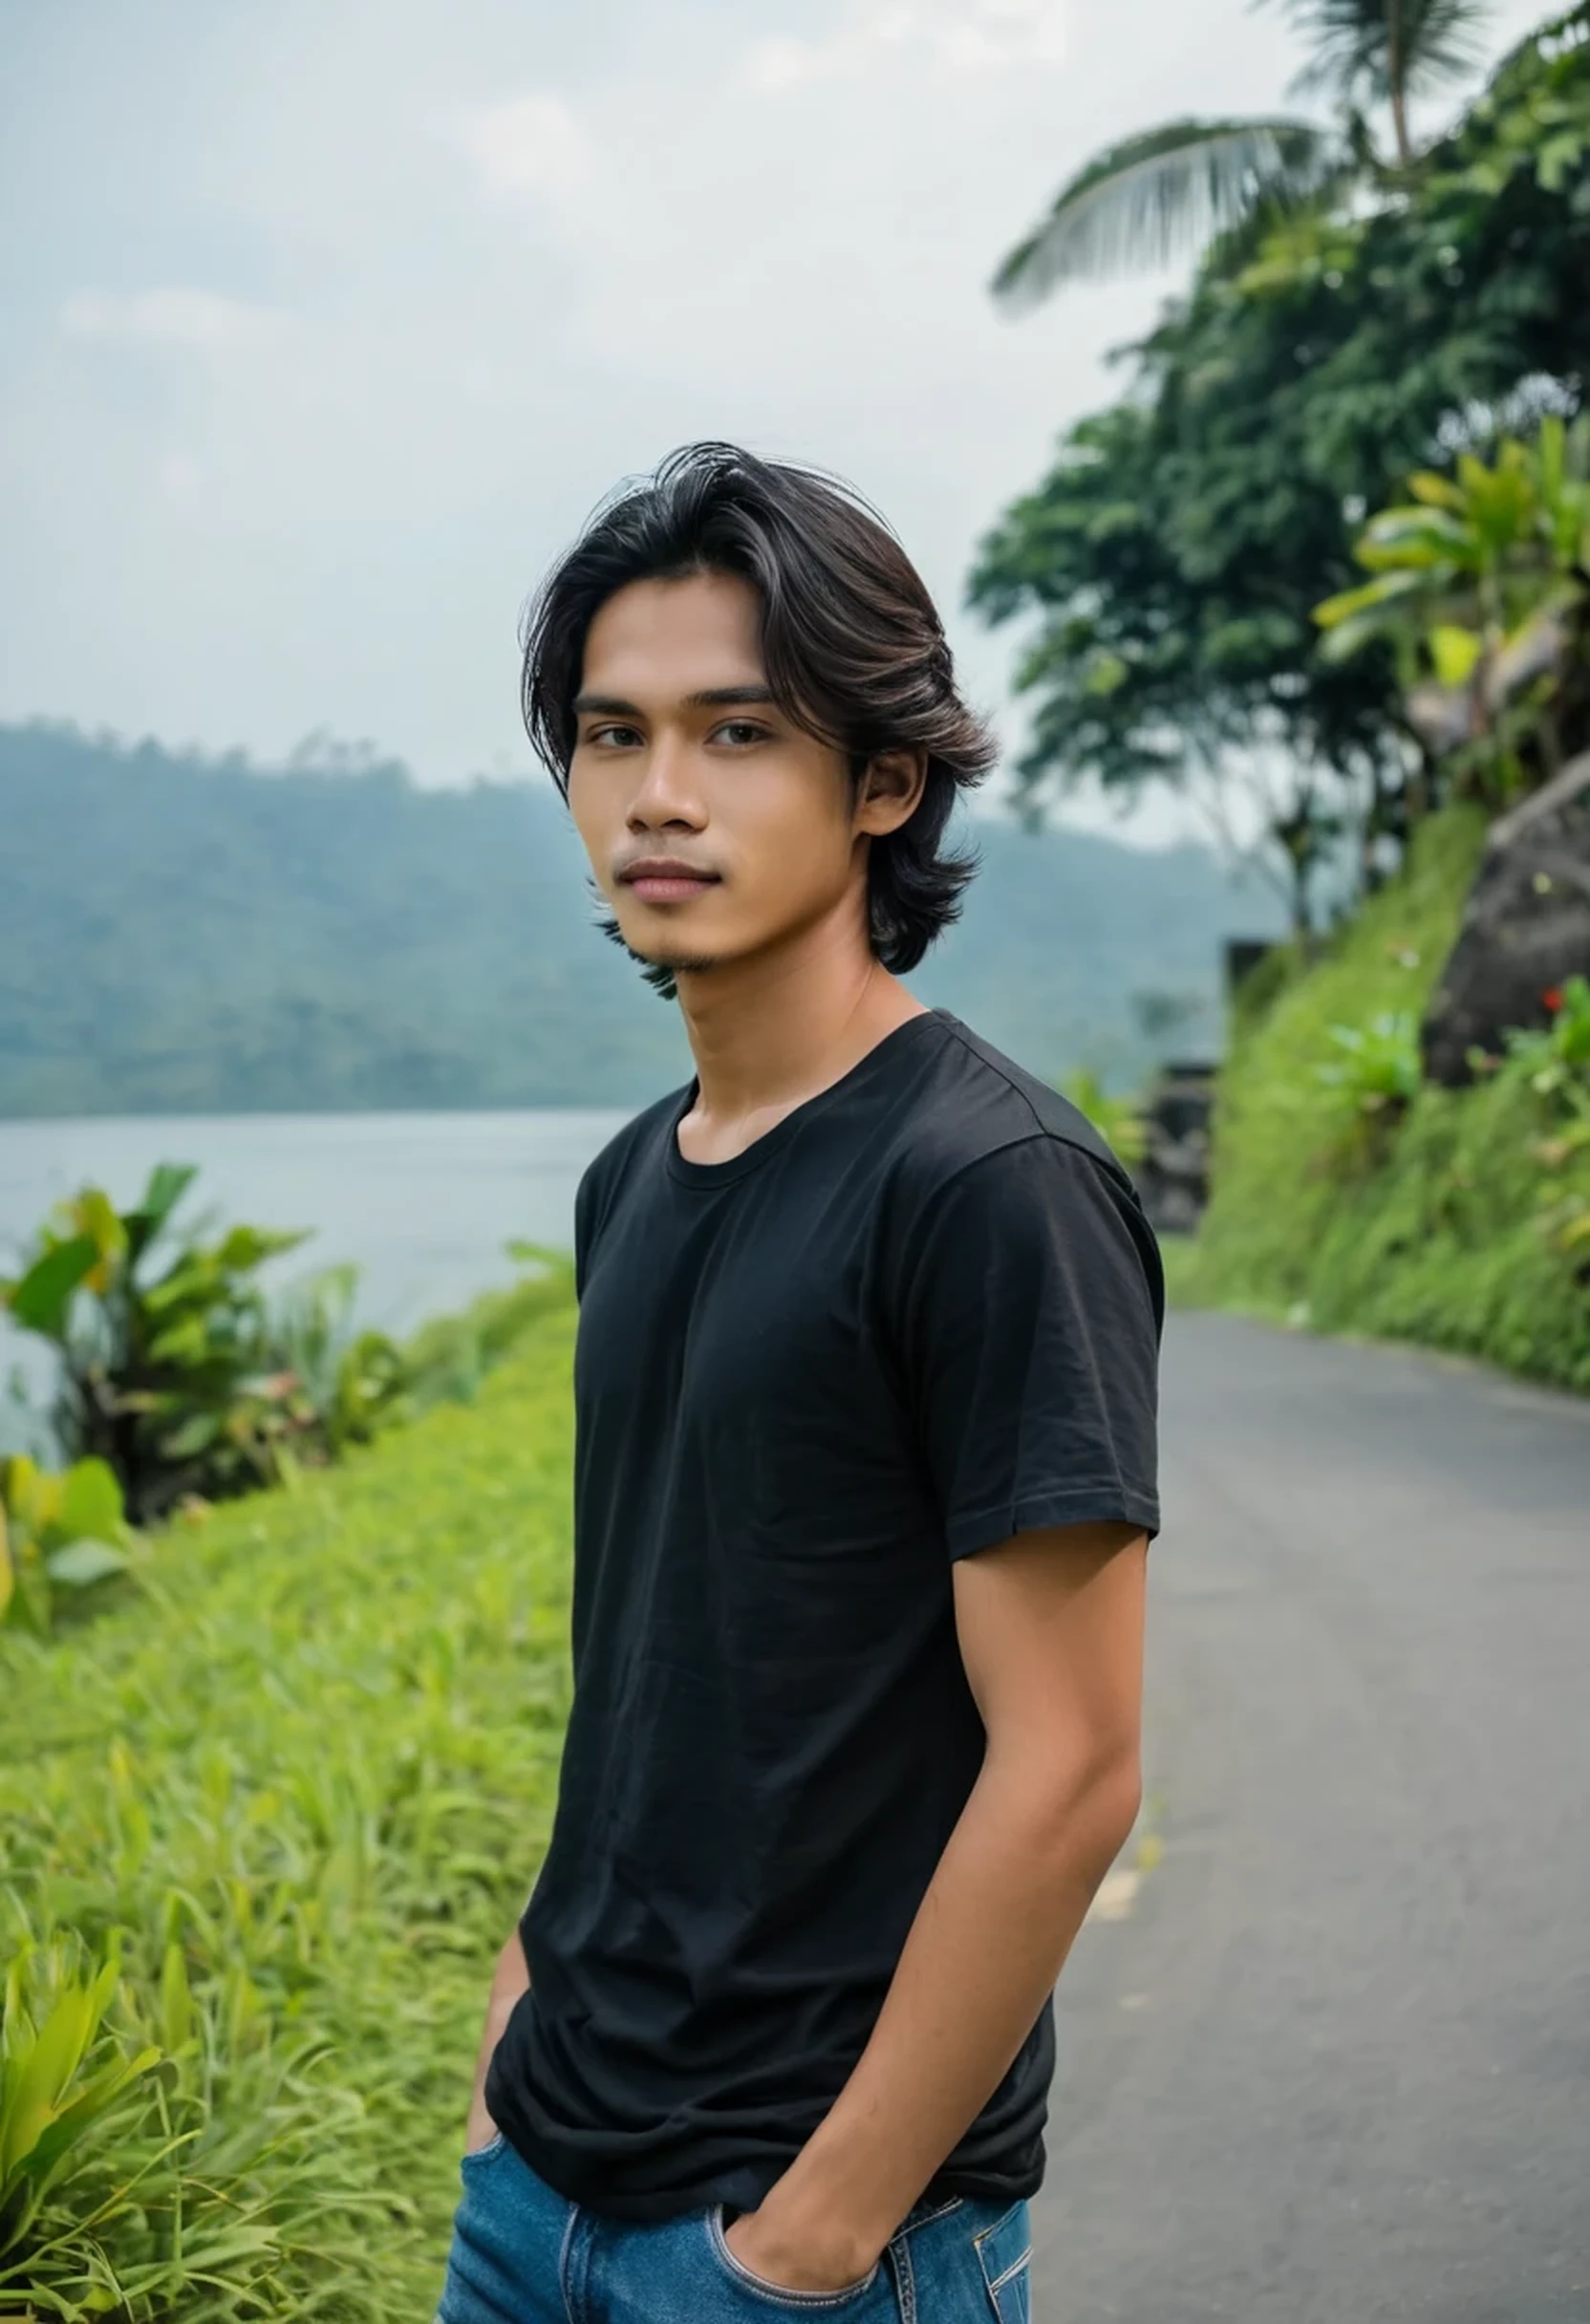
<point>668,884</point>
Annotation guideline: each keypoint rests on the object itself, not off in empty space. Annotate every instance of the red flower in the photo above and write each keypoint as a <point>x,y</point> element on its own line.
<point>1552,998</point>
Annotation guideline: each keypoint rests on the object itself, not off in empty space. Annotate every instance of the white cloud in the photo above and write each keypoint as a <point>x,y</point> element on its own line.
<point>947,36</point>
<point>197,320</point>
<point>531,144</point>
<point>511,255</point>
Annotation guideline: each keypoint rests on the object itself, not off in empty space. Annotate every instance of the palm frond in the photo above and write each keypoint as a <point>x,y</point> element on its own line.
<point>1362,49</point>
<point>1156,196</point>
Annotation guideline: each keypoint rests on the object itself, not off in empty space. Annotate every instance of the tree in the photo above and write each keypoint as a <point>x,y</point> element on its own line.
<point>1168,190</point>
<point>1173,555</point>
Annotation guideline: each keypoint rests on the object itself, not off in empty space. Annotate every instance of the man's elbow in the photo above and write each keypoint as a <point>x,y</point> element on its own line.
<point>1094,1804</point>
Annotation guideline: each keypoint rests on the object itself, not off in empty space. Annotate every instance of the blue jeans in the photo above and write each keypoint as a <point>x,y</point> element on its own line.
<point>523,2255</point>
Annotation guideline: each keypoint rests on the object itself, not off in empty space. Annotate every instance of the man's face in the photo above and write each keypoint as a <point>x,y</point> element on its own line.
<point>681,753</point>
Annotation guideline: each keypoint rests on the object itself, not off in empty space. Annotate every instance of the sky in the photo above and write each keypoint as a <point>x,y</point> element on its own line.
<point>325,323</point>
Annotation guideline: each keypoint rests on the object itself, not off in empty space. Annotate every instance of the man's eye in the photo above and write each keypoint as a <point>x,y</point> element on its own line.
<point>740,733</point>
<point>618,736</point>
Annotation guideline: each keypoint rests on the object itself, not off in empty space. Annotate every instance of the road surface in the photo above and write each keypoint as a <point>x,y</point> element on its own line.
<point>1334,2064</point>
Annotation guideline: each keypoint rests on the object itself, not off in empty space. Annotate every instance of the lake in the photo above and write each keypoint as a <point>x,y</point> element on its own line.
<point>423,1203</point>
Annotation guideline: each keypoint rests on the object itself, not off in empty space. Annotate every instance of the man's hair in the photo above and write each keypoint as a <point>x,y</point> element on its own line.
<point>854,649</point>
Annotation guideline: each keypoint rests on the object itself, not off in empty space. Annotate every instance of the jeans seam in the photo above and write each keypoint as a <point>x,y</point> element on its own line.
<point>1014,2269</point>
<point>564,2254</point>
<point>904,2278</point>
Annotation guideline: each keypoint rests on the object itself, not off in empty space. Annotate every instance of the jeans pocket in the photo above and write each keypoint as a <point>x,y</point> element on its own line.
<point>1004,2251</point>
<point>781,2295</point>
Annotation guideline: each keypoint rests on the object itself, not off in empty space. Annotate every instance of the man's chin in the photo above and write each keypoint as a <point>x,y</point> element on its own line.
<point>678,963</point>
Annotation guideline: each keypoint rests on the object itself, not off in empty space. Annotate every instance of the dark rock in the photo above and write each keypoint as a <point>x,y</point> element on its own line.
<point>1172,1176</point>
<point>1526,929</point>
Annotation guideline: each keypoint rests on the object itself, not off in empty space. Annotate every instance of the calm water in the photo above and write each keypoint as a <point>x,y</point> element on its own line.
<point>423,1203</point>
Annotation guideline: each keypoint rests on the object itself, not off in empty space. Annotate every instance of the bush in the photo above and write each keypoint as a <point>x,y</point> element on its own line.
<point>176,1373</point>
<point>57,1533</point>
<point>304,1781</point>
<point>1464,1220</point>
<point>168,1367</point>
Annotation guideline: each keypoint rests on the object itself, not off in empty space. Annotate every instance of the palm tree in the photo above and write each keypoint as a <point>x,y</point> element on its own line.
<point>1166,191</point>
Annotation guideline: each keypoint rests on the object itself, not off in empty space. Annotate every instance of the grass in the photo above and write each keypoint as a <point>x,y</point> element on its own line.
<point>1441,1222</point>
<point>307,1768</point>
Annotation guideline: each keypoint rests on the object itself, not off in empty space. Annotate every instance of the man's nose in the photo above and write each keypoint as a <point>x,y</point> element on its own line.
<point>667,790</point>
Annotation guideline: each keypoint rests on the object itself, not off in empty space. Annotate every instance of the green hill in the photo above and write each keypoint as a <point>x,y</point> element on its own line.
<point>192,936</point>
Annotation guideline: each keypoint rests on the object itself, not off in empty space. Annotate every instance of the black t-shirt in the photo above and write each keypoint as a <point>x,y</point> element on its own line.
<point>918,1315</point>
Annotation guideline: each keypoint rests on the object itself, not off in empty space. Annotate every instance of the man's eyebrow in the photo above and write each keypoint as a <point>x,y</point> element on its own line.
<point>724,698</point>
<point>709,698</point>
<point>612,705</point>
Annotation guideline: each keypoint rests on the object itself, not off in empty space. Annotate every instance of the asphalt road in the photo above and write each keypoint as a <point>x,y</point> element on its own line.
<point>1335,2064</point>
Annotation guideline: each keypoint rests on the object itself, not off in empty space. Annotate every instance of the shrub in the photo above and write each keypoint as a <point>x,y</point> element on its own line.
<point>56,1532</point>
<point>167,1373</point>
<point>1471,1228</point>
<point>179,1374</point>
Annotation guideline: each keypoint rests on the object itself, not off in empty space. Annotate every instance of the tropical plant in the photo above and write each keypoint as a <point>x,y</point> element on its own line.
<point>1166,191</point>
<point>167,1371</point>
<point>1168,564</point>
<point>1481,584</point>
<point>1377,1065</point>
<point>57,1533</point>
<point>52,2111</point>
<point>162,2178</point>
<point>350,1379</point>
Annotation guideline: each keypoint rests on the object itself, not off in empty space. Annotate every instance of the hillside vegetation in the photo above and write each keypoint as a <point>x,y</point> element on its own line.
<point>194,937</point>
<point>1450,1221</point>
<point>308,1770</point>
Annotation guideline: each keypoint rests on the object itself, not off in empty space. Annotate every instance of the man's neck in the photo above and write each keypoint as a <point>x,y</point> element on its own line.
<point>767,1034</point>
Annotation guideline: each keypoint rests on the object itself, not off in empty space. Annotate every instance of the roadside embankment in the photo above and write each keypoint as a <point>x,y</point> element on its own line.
<point>1348,1196</point>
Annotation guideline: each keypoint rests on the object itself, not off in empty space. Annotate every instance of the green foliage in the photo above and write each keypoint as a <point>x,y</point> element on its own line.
<point>1118,1120</point>
<point>180,1380</point>
<point>304,1781</point>
<point>1481,585</point>
<point>1378,1065</point>
<point>1154,195</point>
<point>168,1368</point>
<point>217,939</point>
<point>1466,1224</point>
<point>1144,202</point>
<point>1174,554</point>
<point>60,1532</point>
<point>354,942</point>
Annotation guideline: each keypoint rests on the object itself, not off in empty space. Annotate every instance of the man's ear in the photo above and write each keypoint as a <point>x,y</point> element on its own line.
<point>890,790</point>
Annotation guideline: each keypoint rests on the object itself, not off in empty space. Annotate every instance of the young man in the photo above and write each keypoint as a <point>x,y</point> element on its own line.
<point>865,1473</point>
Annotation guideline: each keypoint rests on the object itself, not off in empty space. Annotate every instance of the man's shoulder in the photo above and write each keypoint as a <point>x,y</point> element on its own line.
<point>607,1170</point>
<point>976,1102</point>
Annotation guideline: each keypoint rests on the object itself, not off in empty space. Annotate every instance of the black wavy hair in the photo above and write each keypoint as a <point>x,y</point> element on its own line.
<point>852,646</point>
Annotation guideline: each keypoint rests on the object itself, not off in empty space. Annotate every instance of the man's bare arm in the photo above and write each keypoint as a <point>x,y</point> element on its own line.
<point>510,1979</point>
<point>1051,1634</point>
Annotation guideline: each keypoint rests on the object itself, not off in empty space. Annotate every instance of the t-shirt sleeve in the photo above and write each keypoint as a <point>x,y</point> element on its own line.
<point>1030,1327</point>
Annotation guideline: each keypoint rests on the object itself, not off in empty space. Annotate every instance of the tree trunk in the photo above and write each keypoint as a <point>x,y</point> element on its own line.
<point>1396,79</point>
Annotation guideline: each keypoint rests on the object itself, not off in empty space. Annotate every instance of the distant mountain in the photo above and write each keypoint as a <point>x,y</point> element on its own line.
<point>188,935</point>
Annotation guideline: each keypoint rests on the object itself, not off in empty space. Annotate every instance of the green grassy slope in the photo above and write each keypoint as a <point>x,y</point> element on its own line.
<point>320,1755</point>
<point>1442,1229</point>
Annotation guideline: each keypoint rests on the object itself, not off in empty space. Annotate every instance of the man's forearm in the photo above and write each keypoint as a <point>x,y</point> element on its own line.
<point>1010,1893</point>
<point>510,1979</point>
